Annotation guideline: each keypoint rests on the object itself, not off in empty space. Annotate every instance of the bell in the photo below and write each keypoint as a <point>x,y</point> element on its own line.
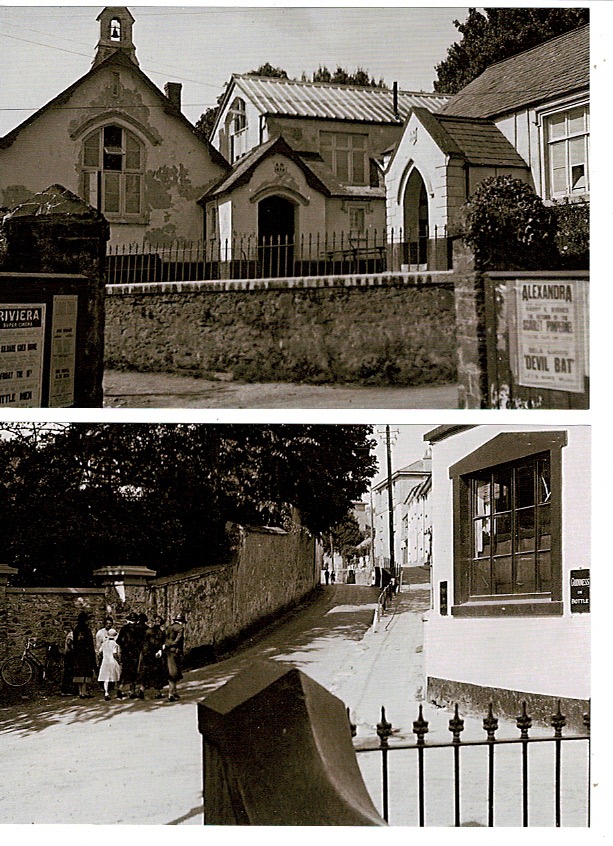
<point>115,34</point>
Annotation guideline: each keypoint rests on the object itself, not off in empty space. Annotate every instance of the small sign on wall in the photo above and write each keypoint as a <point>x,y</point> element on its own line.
<point>22,337</point>
<point>579,591</point>
<point>443,598</point>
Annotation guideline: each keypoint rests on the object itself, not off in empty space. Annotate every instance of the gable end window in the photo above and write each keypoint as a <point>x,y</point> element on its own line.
<point>507,527</point>
<point>346,154</point>
<point>567,136</point>
<point>112,172</point>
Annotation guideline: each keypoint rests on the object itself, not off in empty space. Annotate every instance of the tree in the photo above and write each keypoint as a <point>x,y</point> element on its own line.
<point>341,76</point>
<point>83,496</point>
<point>346,535</point>
<point>268,70</point>
<point>496,34</point>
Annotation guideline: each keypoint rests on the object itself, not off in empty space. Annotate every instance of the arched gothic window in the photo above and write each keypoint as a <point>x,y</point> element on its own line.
<point>112,171</point>
<point>236,126</point>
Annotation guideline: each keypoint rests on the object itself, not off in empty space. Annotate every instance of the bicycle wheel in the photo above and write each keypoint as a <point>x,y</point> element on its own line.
<point>16,671</point>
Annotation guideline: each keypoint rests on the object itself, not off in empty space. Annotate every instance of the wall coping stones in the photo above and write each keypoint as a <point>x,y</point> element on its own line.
<point>380,280</point>
<point>129,575</point>
<point>88,591</point>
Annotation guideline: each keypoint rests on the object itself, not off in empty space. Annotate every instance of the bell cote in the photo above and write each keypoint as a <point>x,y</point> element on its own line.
<point>115,34</point>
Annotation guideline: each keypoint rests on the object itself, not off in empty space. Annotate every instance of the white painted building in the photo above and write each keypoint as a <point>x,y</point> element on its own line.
<point>511,553</point>
<point>526,116</point>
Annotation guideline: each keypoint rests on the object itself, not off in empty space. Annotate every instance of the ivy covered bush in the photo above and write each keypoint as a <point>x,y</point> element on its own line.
<point>509,227</point>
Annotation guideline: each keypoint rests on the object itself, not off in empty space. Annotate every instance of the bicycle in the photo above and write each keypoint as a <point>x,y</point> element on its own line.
<point>18,670</point>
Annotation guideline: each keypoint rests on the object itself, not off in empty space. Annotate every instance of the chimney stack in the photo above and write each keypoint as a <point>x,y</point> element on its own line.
<point>173,92</point>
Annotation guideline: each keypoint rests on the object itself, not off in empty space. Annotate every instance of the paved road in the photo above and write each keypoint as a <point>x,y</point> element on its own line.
<point>159,390</point>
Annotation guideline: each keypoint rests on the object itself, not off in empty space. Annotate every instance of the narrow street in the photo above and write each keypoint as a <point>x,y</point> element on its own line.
<point>147,754</point>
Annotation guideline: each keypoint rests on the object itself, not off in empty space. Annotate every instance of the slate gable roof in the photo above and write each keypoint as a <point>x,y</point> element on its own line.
<point>325,100</point>
<point>118,59</point>
<point>317,173</point>
<point>546,72</point>
<point>478,142</point>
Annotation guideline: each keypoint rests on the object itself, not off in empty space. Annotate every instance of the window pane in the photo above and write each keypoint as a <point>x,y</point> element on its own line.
<point>576,120</point>
<point>544,530</point>
<point>557,126</point>
<point>480,582</point>
<point>524,523</point>
<point>544,480</point>
<point>91,151</point>
<point>359,169</point>
<point>111,192</point>
<point>113,137</point>
<point>132,153</point>
<point>526,576</point>
<point>482,496</point>
<point>544,571</point>
<point>132,193</point>
<point>482,538</point>
<point>502,575</point>
<point>342,165</point>
<point>502,535</point>
<point>524,482</point>
<point>112,161</point>
<point>502,490</point>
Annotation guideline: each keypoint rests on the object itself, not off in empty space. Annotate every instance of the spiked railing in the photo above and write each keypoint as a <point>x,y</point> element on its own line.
<point>385,730</point>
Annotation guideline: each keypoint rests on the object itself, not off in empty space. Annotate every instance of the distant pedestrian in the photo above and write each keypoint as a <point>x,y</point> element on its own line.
<point>327,575</point>
<point>333,577</point>
<point>173,653</point>
<point>130,641</point>
<point>152,671</point>
<point>110,667</point>
<point>83,654</point>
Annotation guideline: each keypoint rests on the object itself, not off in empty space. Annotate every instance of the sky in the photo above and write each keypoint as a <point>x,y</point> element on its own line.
<point>407,446</point>
<point>44,49</point>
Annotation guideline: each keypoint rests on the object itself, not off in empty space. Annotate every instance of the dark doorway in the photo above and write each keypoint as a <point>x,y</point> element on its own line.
<point>416,218</point>
<point>276,236</point>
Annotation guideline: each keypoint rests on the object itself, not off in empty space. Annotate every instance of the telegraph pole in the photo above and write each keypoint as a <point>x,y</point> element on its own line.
<point>390,501</point>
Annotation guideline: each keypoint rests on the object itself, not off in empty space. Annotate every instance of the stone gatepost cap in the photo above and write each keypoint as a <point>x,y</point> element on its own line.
<point>119,572</point>
<point>7,571</point>
<point>53,202</point>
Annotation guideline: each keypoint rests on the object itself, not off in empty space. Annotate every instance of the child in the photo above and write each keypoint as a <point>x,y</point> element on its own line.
<point>110,668</point>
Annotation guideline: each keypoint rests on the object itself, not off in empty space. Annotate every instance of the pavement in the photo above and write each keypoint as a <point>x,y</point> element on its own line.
<point>139,762</point>
<point>127,389</point>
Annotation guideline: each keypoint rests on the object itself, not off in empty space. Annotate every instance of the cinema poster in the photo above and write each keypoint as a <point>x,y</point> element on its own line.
<point>22,333</point>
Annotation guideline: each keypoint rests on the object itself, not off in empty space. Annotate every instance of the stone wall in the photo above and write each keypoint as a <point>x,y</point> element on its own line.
<point>271,570</point>
<point>394,329</point>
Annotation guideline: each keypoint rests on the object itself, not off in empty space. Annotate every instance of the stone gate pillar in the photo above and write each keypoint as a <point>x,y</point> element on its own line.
<point>5,573</point>
<point>55,232</point>
<point>127,589</point>
<point>469,297</point>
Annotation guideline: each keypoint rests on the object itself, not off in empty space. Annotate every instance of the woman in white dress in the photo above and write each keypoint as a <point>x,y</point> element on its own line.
<point>110,668</point>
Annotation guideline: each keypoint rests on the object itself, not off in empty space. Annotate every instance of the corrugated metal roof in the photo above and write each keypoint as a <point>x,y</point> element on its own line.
<point>327,100</point>
<point>550,70</point>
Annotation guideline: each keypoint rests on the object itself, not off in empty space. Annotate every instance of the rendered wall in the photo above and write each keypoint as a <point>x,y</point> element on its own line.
<point>541,655</point>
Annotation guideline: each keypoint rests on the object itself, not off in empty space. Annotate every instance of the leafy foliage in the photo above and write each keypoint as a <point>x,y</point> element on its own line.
<point>573,233</point>
<point>508,226</point>
<point>346,535</point>
<point>495,34</point>
<point>79,497</point>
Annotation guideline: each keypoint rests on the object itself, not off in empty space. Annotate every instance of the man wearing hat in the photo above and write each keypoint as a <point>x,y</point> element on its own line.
<point>173,653</point>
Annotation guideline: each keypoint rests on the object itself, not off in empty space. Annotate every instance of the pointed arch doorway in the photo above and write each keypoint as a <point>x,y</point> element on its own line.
<point>416,219</point>
<point>276,236</point>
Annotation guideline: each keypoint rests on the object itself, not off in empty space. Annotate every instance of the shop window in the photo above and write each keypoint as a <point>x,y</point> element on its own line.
<point>112,172</point>
<point>567,152</point>
<point>346,154</point>
<point>507,526</point>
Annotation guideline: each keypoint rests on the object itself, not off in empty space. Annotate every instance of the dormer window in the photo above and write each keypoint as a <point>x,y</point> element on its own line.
<point>112,175</point>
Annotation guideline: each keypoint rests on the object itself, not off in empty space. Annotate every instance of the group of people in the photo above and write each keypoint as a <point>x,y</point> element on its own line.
<point>140,656</point>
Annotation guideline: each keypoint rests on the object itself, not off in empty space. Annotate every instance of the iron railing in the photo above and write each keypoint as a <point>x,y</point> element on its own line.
<point>253,257</point>
<point>490,726</point>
